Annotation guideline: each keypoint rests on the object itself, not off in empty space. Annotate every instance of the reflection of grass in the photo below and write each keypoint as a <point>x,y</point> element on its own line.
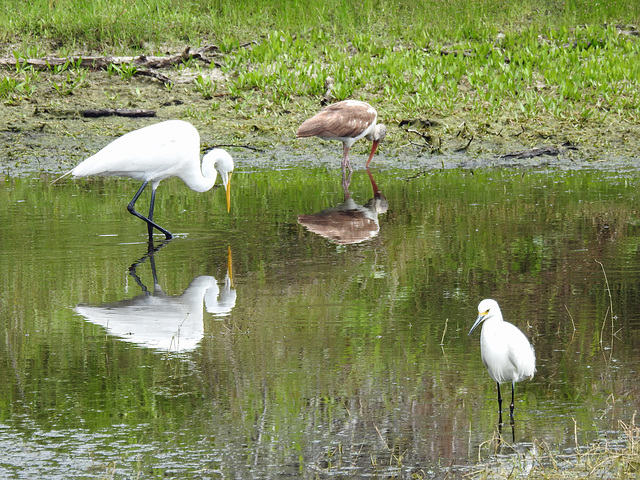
<point>606,458</point>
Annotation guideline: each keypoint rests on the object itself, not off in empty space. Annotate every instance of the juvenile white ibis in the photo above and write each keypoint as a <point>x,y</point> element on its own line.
<point>159,151</point>
<point>347,121</point>
<point>505,351</point>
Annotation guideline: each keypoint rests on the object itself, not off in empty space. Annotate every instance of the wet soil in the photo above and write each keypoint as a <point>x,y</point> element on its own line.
<point>47,132</point>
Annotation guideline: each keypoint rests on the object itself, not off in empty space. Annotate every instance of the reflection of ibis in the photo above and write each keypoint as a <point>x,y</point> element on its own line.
<point>153,153</point>
<point>164,322</point>
<point>347,121</point>
<point>348,222</point>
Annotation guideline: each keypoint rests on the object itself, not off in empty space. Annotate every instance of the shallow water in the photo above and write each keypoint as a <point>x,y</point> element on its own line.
<point>262,348</point>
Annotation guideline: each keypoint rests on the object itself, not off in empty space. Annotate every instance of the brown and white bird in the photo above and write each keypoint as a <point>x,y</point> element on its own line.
<point>347,121</point>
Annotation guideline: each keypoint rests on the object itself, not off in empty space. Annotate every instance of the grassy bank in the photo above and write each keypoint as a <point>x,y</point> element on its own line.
<point>539,70</point>
<point>611,457</point>
<point>563,72</point>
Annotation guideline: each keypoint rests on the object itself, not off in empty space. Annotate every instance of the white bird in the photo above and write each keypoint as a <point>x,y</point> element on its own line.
<point>159,151</point>
<point>347,121</point>
<point>505,351</point>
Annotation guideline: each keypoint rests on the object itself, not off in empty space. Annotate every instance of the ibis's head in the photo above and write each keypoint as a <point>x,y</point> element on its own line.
<point>379,132</point>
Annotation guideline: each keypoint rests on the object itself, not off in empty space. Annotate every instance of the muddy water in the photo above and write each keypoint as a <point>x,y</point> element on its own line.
<point>308,332</point>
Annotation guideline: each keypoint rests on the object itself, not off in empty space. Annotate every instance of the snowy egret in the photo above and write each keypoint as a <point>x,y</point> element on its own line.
<point>159,151</point>
<point>505,351</point>
<point>347,121</point>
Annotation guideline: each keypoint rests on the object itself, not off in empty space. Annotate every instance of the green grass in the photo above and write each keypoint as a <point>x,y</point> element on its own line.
<point>107,26</point>
<point>580,74</point>
<point>556,58</point>
<point>561,64</point>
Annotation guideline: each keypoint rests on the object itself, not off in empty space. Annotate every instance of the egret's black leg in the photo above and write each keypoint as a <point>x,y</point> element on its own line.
<point>513,388</point>
<point>499,404</point>
<point>150,223</point>
<point>513,432</point>
<point>151,205</point>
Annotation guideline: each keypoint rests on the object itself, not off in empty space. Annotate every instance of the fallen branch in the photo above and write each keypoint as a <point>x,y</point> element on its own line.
<point>536,152</point>
<point>466,147</point>
<point>120,112</point>
<point>101,63</point>
<point>428,141</point>
<point>153,74</point>
<point>425,136</point>
<point>230,145</point>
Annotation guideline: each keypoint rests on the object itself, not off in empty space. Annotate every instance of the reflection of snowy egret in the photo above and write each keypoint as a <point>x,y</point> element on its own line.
<point>153,153</point>
<point>347,121</point>
<point>505,350</point>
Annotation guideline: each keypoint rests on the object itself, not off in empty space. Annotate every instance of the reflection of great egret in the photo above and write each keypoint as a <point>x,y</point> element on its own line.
<point>160,321</point>
<point>153,153</point>
<point>348,222</point>
<point>505,351</point>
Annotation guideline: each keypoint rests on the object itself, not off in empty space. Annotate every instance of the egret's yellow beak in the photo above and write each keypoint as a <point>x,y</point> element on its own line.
<point>228,190</point>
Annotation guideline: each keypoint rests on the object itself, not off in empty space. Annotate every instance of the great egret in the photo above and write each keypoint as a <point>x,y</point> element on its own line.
<point>347,121</point>
<point>505,351</point>
<point>159,151</point>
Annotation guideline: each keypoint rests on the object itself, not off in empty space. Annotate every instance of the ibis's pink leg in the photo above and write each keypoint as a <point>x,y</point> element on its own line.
<point>345,157</point>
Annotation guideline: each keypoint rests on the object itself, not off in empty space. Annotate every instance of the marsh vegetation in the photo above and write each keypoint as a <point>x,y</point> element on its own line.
<point>458,80</point>
<point>481,78</point>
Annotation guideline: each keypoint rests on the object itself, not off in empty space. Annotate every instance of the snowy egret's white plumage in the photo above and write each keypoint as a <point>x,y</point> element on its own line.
<point>159,151</point>
<point>505,351</point>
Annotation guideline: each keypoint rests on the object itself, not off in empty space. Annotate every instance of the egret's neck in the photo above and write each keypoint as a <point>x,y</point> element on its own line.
<point>202,178</point>
<point>491,324</point>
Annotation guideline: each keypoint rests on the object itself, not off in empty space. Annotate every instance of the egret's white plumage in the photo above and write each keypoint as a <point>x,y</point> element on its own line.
<point>505,350</point>
<point>159,151</point>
